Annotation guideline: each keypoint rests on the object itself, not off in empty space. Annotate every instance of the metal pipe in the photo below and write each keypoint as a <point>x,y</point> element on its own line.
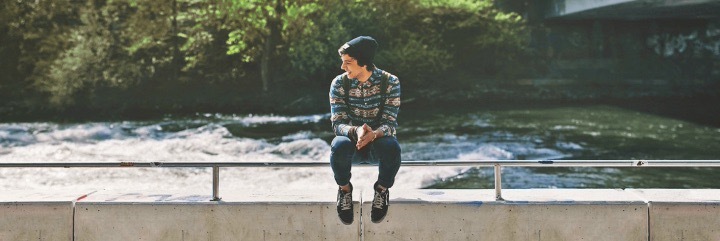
<point>498,183</point>
<point>216,184</point>
<point>479,163</point>
<point>497,164</point>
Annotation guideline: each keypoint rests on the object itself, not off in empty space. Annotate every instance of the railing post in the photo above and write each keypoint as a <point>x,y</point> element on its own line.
<point>216,183</point>
<point>498,182</point>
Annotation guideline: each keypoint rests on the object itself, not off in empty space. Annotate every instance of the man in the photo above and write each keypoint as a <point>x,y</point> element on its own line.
<point>364,102</point>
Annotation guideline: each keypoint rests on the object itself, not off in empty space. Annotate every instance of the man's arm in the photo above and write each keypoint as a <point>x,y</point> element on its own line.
<point>339,110</point>
<point>391,110</point>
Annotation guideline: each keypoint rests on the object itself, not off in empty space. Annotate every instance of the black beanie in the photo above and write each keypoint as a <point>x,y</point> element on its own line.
<point>361,48</point>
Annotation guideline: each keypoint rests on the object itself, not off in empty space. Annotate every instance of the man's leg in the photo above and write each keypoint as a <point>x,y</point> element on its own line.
<point>342,150</point>
<point>387,150</point>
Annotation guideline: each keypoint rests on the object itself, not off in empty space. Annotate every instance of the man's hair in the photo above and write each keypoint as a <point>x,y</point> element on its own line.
<point>361,49</point>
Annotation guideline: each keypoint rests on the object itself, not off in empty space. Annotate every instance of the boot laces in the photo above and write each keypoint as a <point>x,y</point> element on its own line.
<point>379,200</point>
<point>346,201</point>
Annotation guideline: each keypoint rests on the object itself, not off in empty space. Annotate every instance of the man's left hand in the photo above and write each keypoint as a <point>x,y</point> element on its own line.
<point>368,135</point>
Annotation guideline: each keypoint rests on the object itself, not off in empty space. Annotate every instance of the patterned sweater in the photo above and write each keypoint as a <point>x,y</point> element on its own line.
<point>364,104</point>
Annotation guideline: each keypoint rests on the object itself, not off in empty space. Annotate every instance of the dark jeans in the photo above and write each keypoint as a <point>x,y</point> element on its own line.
<point>385,150</point>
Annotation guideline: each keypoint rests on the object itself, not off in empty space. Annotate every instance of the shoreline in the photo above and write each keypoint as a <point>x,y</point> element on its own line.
<point>688,101</point>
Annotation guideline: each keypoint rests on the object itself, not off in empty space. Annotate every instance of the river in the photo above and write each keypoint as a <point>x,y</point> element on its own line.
<point>587,132</point>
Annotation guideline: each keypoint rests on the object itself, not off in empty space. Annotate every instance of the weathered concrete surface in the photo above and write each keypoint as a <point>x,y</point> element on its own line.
<point>547,214</point>
<point>28,215</point>
<point>683,214</point>
<point>241,215</point>
<point>528,214</point>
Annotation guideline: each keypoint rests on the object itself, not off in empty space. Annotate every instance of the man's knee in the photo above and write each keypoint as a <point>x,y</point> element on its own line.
<point>341,143</point>
<point>388,145</point>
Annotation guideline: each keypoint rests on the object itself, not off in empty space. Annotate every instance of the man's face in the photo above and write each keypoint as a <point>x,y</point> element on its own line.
<point>350,65</point>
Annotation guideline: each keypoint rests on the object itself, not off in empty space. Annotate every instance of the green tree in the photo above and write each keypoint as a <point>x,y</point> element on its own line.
<point>259,30</point>
<point>420,40</point>
<point>39,27</point>
<point>150,35</point>
<point>95,57</point>
<point>313,34</point>
<point>118,44</point>
<point>81,53</point>
<point>9,49</point>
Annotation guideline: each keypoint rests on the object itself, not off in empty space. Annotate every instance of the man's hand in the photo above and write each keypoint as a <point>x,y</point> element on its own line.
<point>365,136</point>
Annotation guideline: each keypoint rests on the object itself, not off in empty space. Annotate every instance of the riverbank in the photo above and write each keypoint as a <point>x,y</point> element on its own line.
<point>684,103</point>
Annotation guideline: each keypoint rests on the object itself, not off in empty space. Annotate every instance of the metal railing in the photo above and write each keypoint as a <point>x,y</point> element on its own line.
<point>497,164</point>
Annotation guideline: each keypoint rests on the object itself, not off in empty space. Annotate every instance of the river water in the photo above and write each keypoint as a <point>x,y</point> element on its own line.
<point>557,132</point>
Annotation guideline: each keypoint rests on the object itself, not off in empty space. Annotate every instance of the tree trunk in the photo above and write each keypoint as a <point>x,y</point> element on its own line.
<point>265,63</point>
<point>271,42</point>
<point>176,45</point>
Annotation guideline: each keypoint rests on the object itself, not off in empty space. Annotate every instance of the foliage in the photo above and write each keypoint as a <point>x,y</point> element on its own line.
<point>419,40</point>
<point>8,50</point>
<point>36,30</point>
<point>69,50</point>
<point>95,58</point>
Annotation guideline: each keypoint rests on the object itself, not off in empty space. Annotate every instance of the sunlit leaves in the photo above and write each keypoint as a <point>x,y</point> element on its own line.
<point>143,43</point>
<point>469,5</point>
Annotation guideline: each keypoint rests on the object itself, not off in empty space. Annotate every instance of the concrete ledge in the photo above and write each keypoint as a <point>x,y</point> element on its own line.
<point>547,214</point>
<point>683,214</point>
<point>529,214</point>
<point>241,215</point>
<point>27,215</point>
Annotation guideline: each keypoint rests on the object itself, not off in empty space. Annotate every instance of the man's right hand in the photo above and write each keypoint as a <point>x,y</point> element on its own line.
<point>365,136</point>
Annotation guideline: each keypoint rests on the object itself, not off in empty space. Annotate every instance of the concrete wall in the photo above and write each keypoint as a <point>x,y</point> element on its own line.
<point>536,214</point>
<point>683,214</point>
<point>241,215</point>
<point>27,215</point>
<point>548,214</point>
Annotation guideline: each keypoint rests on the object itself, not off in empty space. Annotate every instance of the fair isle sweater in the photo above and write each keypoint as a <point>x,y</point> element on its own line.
<point>364,104</point>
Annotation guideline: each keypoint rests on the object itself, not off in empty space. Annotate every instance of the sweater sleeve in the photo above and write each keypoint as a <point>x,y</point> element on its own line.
<point>392,107</point>
<point>339,109</point>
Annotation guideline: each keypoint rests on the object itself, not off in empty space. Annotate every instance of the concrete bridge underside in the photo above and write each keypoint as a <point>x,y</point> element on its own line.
<point>632,9</point>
